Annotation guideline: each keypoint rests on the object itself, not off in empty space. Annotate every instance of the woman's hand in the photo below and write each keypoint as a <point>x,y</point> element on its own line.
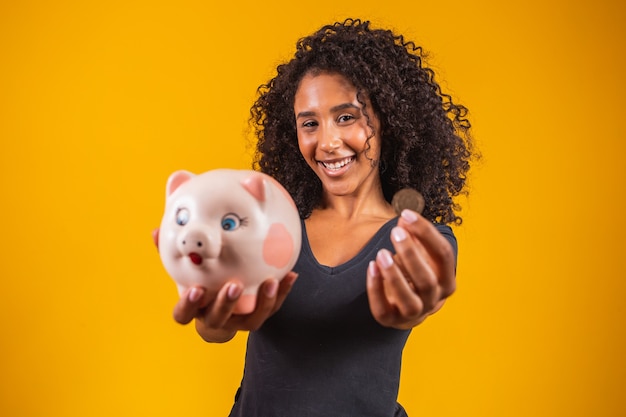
<point>213,311</point>
<point>406,288</point>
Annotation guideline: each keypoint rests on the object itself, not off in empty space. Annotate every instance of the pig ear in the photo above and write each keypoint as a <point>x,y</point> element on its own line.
<point>177,179</point>
<point>255,185</point>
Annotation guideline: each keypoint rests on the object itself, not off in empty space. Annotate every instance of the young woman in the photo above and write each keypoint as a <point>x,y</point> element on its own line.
<point>354,117</point>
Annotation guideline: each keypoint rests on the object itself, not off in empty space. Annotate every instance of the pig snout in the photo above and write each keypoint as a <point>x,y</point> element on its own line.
<point>199,244</point>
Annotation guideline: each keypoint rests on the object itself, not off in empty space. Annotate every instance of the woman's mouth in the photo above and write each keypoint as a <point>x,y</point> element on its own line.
<point>336,164</point>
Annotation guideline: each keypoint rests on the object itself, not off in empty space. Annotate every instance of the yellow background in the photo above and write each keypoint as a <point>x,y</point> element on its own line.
<point>100,101</point>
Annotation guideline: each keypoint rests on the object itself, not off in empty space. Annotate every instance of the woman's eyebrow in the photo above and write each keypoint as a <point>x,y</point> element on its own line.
<point>339,107</point>
<point>305,114</point>
<point>345,106</point>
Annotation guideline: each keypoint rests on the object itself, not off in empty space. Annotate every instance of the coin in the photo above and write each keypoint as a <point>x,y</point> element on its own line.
<point>408,198</point>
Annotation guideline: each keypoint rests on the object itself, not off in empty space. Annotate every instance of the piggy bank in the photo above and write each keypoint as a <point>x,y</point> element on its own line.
<point>225,224</point>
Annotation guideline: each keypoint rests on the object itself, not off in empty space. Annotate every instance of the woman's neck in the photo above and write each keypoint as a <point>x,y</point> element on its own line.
<point>355,207</point>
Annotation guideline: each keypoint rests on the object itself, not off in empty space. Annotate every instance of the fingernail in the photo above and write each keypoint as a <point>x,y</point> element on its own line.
<point>398,234</point>
<point>372,269</point>
<point>234,291</point>
<point>293,279</point>
<point>195,294</point>
<point>385,258</point>
<point>271,289</point>
<point>409,216</point>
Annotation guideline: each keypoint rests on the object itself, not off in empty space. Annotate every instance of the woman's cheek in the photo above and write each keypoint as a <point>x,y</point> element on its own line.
<point>306,143</point>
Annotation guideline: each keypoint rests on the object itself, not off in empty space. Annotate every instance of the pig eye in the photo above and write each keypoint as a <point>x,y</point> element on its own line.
<point>231,222</point>
<point>182,216</point>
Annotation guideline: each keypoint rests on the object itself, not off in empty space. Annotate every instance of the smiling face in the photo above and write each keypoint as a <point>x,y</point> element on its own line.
<point>334,135</point>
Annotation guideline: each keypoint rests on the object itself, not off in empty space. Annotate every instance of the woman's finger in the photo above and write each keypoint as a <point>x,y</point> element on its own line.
<point>380,307</point>
<point>219,312</point>
<point>155,237</point>
<point>189,304</point>
<point>284,287</point>
<point>413,261</point>
<point>440,251</point>
<point>397,288</point>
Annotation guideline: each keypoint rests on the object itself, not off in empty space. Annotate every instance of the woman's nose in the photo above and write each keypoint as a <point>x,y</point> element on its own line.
<point>330,140</point>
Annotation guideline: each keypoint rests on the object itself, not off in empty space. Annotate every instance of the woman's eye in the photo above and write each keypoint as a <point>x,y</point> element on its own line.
<point>345,118</point>
<point>182,216</point>
<point>309,124</point>
<point>231,222</point>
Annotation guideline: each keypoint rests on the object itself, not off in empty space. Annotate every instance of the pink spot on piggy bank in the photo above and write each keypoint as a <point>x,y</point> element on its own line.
<point>225,224</point>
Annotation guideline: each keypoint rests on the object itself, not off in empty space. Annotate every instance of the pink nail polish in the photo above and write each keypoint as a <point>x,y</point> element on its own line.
<point>372,269</point>
<point>385,258</point>
<point>409,216</point>
<point>234,291</point>
<point>194,294</point>
<point>271,289</point>
<point>398,234</point>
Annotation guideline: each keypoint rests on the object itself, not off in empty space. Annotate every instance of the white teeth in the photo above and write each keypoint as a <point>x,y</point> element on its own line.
<point>338,164</point>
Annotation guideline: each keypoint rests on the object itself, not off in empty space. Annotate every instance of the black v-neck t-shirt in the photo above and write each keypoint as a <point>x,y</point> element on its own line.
<point>323,354</point>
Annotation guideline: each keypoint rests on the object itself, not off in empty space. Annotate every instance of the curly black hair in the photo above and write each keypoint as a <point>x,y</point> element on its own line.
<point>425,137</point>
